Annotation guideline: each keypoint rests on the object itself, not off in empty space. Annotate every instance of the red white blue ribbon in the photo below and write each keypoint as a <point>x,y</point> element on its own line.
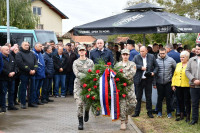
<point>115,108</point>
<point>104,93</point>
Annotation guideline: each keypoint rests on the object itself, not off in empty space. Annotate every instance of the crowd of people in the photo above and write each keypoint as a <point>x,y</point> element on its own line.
<point>36,74</point>
<point>24,71</point>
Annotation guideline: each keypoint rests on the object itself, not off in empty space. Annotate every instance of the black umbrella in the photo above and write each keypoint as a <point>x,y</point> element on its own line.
<point>140,19</point>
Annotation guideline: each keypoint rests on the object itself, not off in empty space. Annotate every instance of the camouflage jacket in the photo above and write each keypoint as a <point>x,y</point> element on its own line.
<point>129,69</point>
<point>81,68</point>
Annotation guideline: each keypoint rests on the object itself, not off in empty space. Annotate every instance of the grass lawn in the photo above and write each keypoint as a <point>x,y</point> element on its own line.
<point>164,124</point>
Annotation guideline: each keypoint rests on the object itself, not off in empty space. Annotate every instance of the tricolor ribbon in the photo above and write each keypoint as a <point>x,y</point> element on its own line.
<point>115,108</point>
<point>104,93</point>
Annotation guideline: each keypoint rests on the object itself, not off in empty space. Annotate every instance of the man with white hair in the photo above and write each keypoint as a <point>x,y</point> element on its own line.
<point>40,73</point>
<point>7,79</point>
<point>101,53</point>
<point>147,68</point>
<point>27,63</point>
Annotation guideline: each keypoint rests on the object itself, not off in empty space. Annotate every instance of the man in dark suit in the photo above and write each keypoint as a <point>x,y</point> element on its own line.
<point>101,53</point>
<point>147,67</point>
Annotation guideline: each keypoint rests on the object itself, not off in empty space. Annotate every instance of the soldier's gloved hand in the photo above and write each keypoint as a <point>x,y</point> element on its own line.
<point>81,75</point>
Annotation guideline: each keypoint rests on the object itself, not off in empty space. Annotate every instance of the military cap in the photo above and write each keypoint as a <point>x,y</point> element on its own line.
<point>81,47</point>
<point>125,51</point>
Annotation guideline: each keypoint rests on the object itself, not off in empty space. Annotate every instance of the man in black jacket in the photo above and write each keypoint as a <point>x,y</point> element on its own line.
<point>71,57</point>
<point>49,73</point>
<point>60,64</point>
<point>147,67</point>
<point>7,80</point>
<point>27,63</point>
<point>101,53</point>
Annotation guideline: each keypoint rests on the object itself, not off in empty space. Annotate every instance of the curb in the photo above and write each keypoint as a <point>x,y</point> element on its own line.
<point>133,126</point>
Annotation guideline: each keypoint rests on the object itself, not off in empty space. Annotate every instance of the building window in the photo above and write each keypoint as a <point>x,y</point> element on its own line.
<point>37,10</point>
<point>40,26</point>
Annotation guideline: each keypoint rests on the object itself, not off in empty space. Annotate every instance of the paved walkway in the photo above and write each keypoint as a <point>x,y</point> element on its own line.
<point>57,117</point>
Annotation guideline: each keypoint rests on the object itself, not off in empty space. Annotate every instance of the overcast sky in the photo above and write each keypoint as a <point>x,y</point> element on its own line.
<point>84,11</point>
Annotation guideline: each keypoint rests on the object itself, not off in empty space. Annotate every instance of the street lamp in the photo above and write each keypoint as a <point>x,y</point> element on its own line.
<point>8,22</point>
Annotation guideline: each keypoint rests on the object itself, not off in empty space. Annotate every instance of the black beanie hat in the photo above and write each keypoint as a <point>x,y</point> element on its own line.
<point>130,41</point>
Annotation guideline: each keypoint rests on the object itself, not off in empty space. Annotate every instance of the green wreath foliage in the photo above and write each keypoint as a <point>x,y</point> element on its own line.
<point>90,85</point>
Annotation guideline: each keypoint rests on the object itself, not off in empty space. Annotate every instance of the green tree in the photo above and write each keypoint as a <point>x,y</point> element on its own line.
<point>21,14</point>
<point>188,39</point>
<point>150,38</point>
<point>188,8</point>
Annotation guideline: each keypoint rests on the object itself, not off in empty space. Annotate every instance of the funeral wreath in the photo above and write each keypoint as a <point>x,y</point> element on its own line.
<point>91,84</point>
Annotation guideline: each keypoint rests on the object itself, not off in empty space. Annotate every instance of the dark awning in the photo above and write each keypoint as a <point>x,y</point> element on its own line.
<point>147,19</point>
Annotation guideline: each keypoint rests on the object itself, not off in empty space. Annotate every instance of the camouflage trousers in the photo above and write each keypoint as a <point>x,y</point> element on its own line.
<point>127,105</point>
<point>79,102</point>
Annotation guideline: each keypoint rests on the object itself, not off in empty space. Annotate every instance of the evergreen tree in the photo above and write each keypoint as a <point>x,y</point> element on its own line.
<point>21,14</point>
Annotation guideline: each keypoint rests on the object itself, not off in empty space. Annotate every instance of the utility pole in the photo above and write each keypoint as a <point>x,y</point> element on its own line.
<point>8,22</point>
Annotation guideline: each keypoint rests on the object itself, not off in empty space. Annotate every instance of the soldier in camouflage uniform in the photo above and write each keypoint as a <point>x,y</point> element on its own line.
<point>128,104</point>
<point>80,67</point>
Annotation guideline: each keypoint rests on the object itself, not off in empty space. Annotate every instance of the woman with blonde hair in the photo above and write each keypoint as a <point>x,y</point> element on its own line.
<point>180,84</point>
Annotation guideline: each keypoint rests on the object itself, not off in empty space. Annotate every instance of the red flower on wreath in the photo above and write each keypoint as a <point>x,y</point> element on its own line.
<point>95,86</point>
<point>124,84</point>
<point>84,85</point>
<point>109,97</point>
<point>98,108</point>
<point>97,71</point>
<point>121,70</point>
<point>109,63</point>
<point>93,97</point>
<point>89,89</point>
<point>95,79</point>
<point>117,79</point>
<point>123,95</point>
<point>87,96</point>
<point>89,70</point>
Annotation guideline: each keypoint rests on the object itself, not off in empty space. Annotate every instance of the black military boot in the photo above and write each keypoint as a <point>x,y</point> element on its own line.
<point>188,118</point>
<point>181,117</point>
<point>86,117</point>
<point>150,114</point>
<point>80,126</point>
<point>136,114</point>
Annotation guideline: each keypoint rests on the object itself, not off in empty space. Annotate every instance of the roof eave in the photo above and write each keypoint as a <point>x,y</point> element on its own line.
<point>51,6</point>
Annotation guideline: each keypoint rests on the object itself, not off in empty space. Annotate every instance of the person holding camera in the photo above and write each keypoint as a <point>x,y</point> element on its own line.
<point>166,66</point>
<point>147,67</point>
